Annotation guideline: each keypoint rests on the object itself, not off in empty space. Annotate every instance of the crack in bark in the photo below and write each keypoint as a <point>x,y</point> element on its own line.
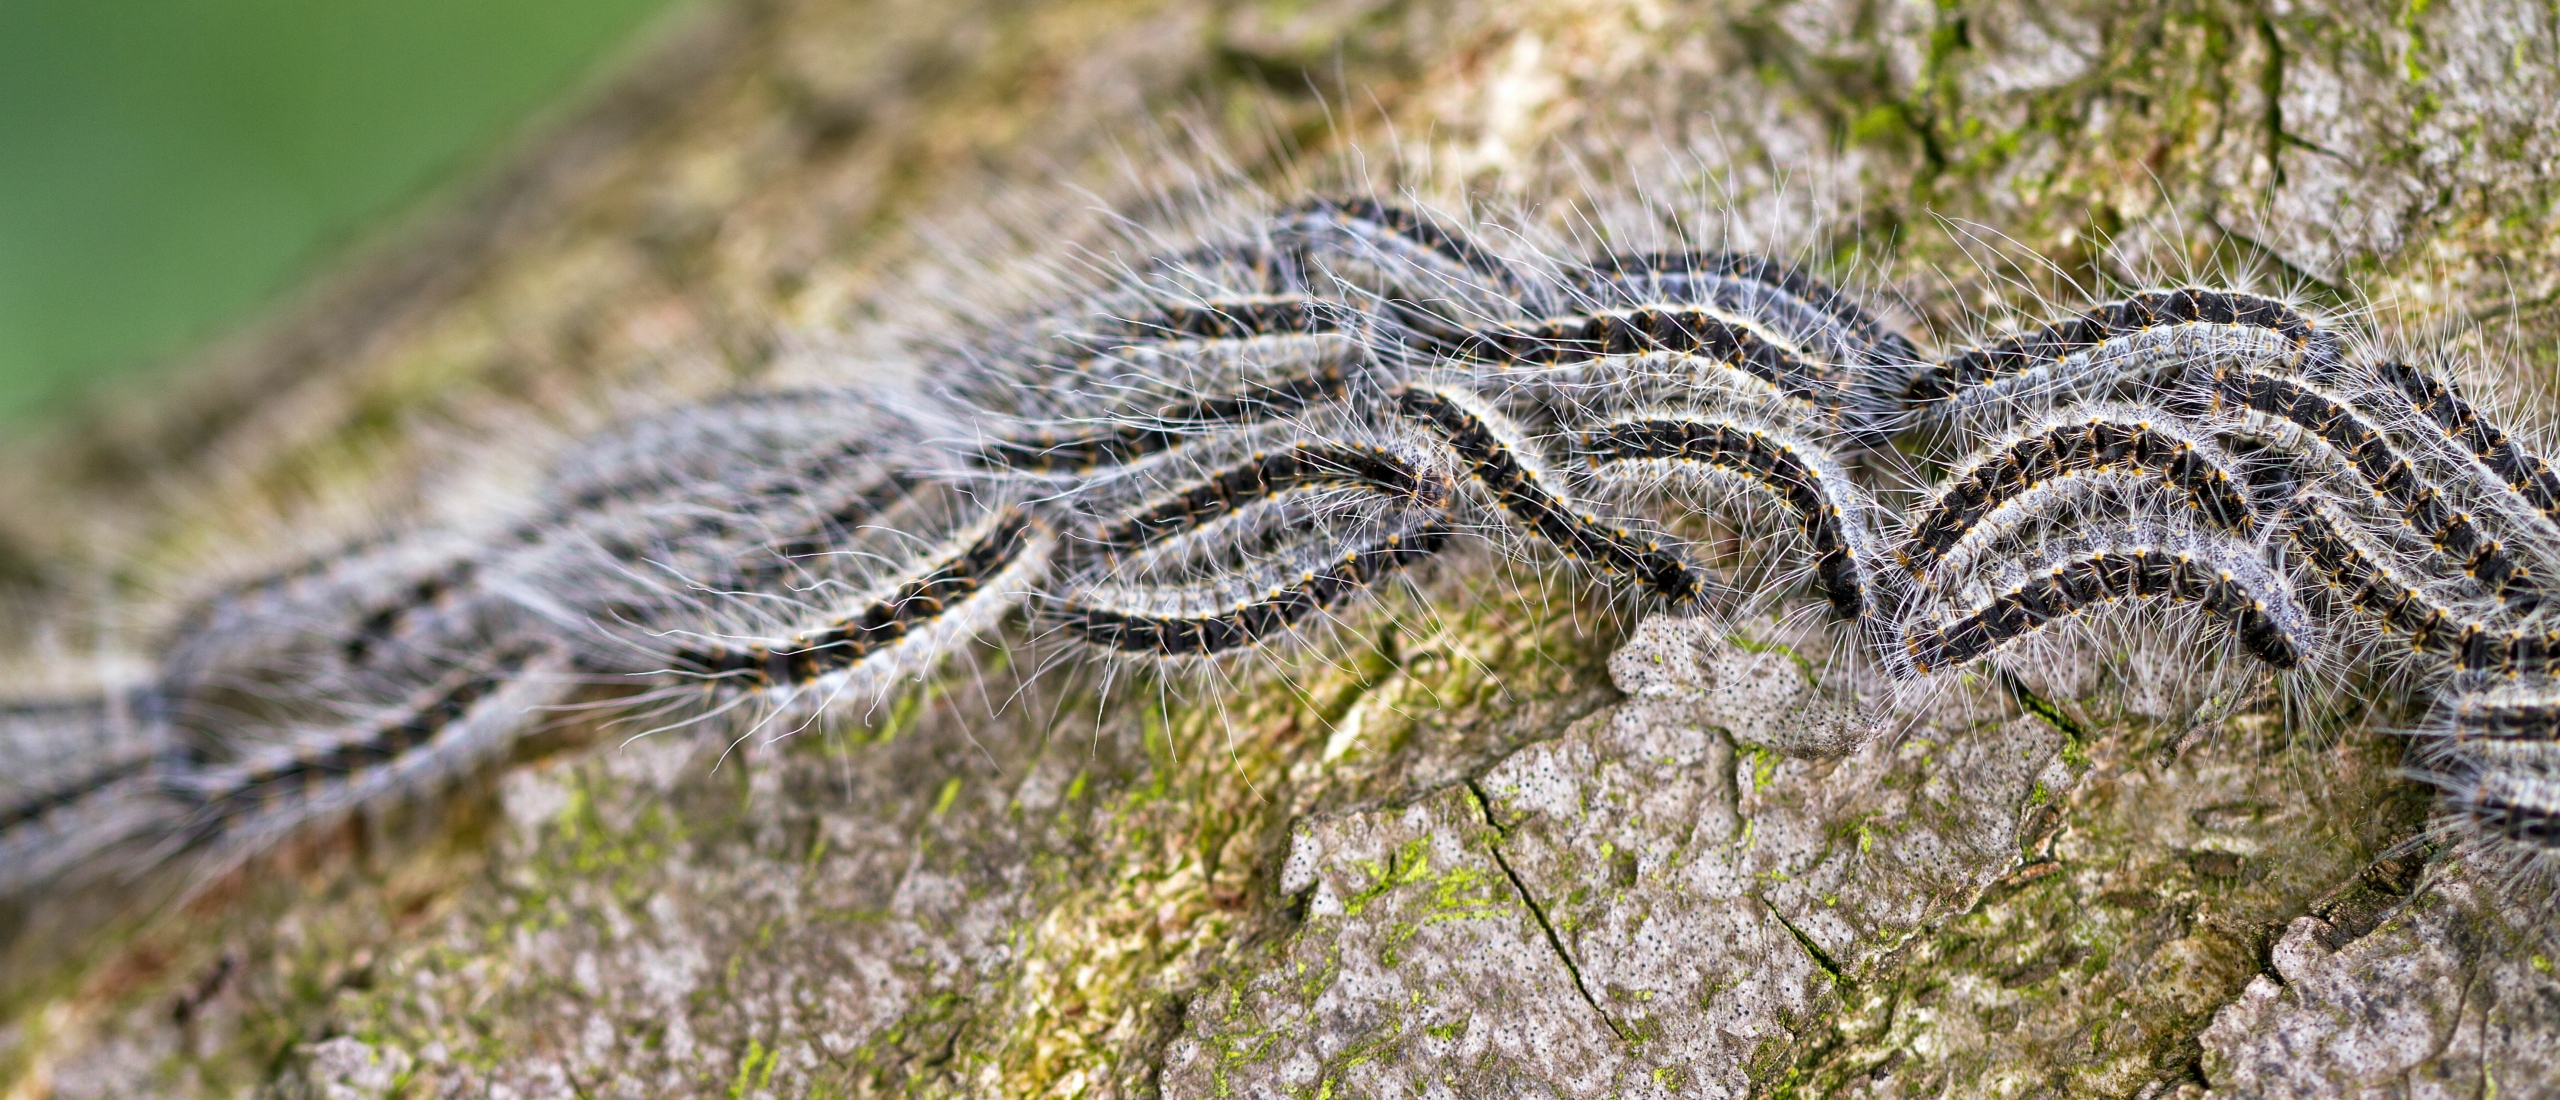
<point>1821,957</point>
<point>1484,805</point>
<point>2070,728</point>
<point>2271,85</point>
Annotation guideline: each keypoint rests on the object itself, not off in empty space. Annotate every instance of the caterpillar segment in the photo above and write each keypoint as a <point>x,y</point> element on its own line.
<point>739,437</point>
<point>1234,266</point>
<point>1825,506</point>
<point>811,542</point>
<point>973,574</point>
<point>2491,720</point>
<point>78,775</point>
<point>2143,443</point>
<point>1185,345</point>
<point>2250,603</point>
<point>1239,318</point>
<point>2144,314</point>
<point>2387,475</point>
<point>1492,452</point>
<point>28,806</point>
<point>42,770</point>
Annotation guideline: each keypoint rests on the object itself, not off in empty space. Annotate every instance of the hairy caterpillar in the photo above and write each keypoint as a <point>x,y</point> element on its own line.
<point>1641,329</point>
<point>946,587</point>
<point>1176,633</point>
<point>2226,584</point>
<point>2138,441</point>
<point>1496,455</point>
<point>2121,342</point>
<point>1261,477</point>
<point>2385,473</point>
<point>1210,448</point>
<point>1828,512</point>
<point>2526,474</point>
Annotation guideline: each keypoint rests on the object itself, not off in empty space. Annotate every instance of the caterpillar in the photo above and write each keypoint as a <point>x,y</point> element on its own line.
<point>1828,512</point>
<point>1054,452</point>
<point>2522,807</point>
<point>1787,300</point>
<point>2224,584</point>
<point>2387,474</point>
<point>1209,450</point>
<point>2524,473</point>
<point>1261,477</point>
<point>80,780</point>
<point>1494,455</point>
<point>944,587</point>
<point>1641,329</point>
<point>2190,324</point>
<point>1176,633</point>
<point>2521,712</point>
<point>223,794</point>
<point>2142,442</point>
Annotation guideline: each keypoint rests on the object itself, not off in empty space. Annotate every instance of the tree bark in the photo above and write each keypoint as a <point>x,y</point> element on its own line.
<point>1541,850</point>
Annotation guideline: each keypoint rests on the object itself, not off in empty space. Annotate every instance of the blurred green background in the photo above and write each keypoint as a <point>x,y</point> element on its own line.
<point>168,165</point>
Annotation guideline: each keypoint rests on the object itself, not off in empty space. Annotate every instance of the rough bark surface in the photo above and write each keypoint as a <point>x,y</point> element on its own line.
<point>1537,853</point>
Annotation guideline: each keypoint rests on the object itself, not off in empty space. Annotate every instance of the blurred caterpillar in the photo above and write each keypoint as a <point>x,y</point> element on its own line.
<point>1217,450</point>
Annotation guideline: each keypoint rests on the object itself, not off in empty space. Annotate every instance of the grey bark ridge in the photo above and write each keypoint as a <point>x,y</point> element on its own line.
<point>2452,996</point>
<point>1637,908</point>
